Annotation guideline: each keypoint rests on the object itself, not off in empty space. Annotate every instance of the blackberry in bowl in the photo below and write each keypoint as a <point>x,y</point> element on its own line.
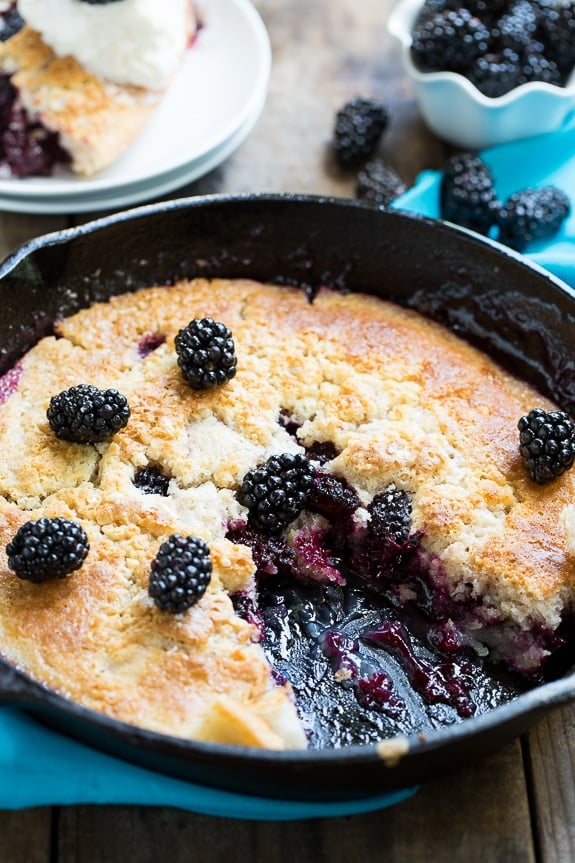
<point>485,74</point>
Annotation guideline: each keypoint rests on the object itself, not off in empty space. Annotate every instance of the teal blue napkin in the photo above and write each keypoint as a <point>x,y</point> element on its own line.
<point>40,767</point>
<point>541,161</point>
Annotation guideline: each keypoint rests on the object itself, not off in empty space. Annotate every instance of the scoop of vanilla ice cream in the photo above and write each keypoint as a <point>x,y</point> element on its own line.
<point>139,42</point>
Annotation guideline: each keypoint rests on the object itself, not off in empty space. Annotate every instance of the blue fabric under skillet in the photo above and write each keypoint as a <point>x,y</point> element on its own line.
<point>540,161</point>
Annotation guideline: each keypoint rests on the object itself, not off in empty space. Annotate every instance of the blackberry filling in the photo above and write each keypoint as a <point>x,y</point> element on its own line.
<point>333,497</point>
<point>348,610</point>
<point>360,675</point>
<point>151,480</point>
<point>26,148</point>
<point>9,382</point>
<point>149,343</point>
<point>271,554</point>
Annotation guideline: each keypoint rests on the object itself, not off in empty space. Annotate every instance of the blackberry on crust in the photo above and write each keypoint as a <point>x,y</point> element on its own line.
<point>46,549</point>
<point>206,353</point>
<point>390,515</point>
<point>547,444</point>
<point>86,414</point>
<point>180,573</point>
<point>11,22</point>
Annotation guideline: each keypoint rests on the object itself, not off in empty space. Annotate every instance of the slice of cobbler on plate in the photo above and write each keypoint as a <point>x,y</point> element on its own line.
<point>82,78</point>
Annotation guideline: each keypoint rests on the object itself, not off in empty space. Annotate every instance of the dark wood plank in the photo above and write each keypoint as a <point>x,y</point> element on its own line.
<point>25,836</point>
<point>458,818</point>
<point>551,748</point>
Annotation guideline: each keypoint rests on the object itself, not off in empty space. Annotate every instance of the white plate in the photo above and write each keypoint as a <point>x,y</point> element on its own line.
<point>134,193</point>
<point>223,81</point>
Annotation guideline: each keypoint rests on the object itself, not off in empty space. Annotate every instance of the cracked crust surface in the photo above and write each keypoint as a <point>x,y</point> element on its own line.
<point>403,400</point>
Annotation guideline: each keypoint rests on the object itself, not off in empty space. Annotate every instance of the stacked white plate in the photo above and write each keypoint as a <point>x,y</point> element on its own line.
<point>208,111</point>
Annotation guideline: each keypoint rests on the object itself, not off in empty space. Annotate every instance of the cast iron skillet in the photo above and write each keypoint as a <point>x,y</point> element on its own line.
<point>513,310</point>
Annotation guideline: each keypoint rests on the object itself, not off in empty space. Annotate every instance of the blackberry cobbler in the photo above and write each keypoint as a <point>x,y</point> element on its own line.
<point>233,512</point>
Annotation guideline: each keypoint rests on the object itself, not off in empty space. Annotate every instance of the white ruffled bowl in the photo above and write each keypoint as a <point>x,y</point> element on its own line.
<point>459,113</point>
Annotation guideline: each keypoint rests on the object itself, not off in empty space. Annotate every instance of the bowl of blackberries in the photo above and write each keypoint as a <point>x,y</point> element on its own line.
<point>486,72</point>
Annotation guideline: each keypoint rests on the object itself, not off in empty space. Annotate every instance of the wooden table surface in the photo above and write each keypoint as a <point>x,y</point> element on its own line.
<point>518,805</point>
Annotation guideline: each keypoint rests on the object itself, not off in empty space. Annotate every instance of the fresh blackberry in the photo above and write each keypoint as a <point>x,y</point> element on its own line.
<point>517,27</point>
<point>379,184</point>
<point>11,22</point>
<point>333,497</point>
<point>359,125</point>
<point>467,194</point>
<point>536,67</point>
<point>463,162</point>
<point>206,353</point>
<point>151,480</point>
<point>449,41</point>
<point>532,214</point>
<point>495,74</point>
<point>487,10</point>
<point>557,32</point>
<point>390,512</point>
<point>180,573</point>
<point>277,492</point>
<point>388,540</point>
<point>433,7</point>
<point>546,443</point>
<point>46,549</point>
<point>85,414</point>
